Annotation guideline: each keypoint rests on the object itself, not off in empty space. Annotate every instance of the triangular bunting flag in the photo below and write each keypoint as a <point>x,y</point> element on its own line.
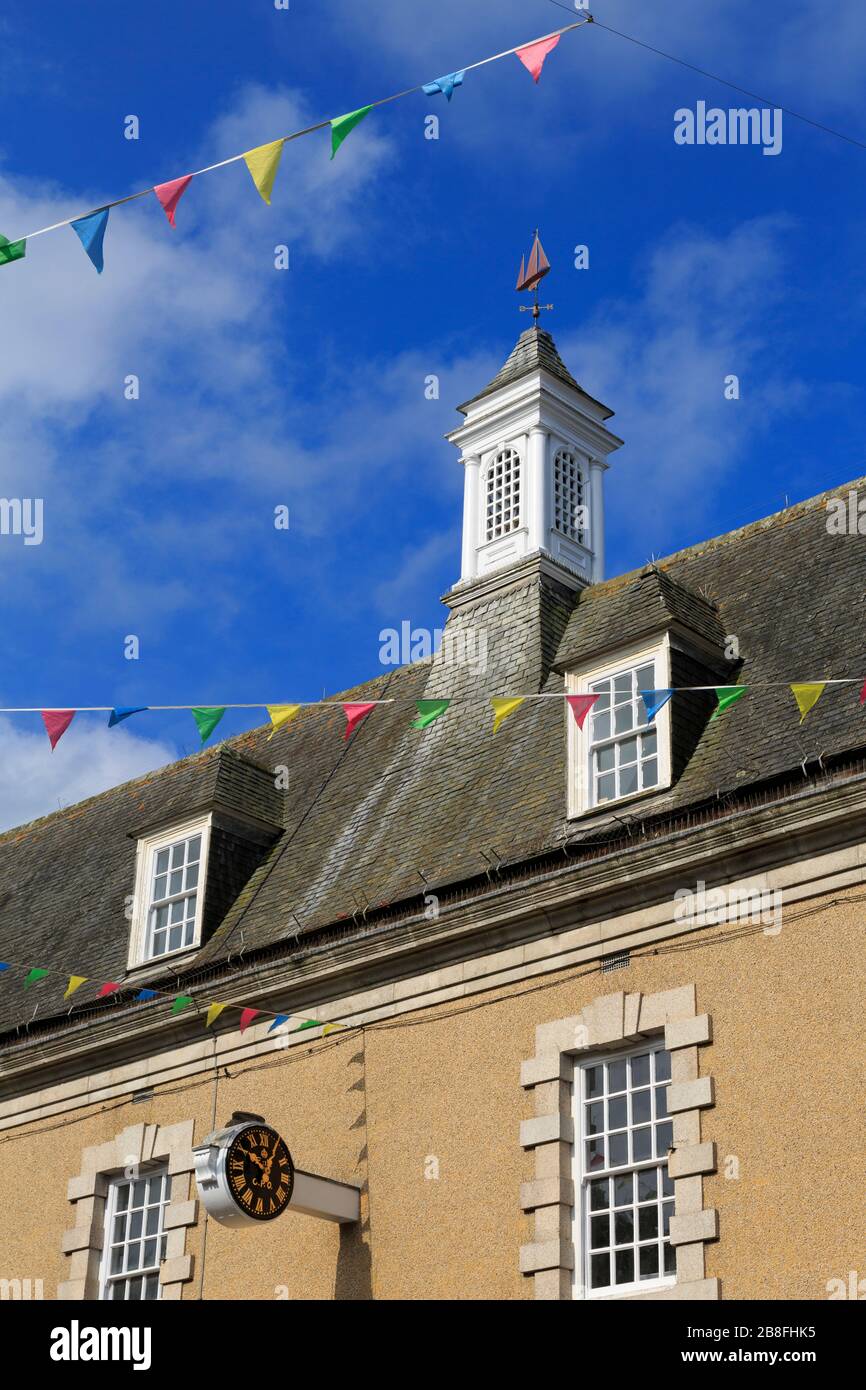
<point>807,696</point>
<point>3,965</point>
<point>263,163</point>
<point>654,701</point>
<point>445,85</point>
<point>332,1028</point>
<point>144,994</point>
<point>56,723</point>
<point>12,250</point>
<point>170,194</point>
<point>532,55</point>
<point>181,1002</point>
<point>307,1023</point>
<point>206,720</point>
<point>428,711</point>
<point>727,695</point>
<point>502,707</point>
<point>863,694</point>
<point>35,974</point>
<point>354,715</point>
<point>213,1013</point>
<point>344,125</point>
<point>109,988</point>
<point>123,712</point>
<point>75,982</point>
<point>580,707</point>
<point>91,233</point>
<point>247,1016</point>
<point>280,715</point>
<point>279,1021</point>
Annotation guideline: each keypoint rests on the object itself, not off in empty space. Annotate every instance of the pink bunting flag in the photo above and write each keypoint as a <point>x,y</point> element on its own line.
<point>533,55</point>
<point>108,989</point>
<point>863,694</point>
<point>247,1016</point>
<point>580,707</point>
<point>354,715</point>
<point>56,723</point>
<point>170,194</point>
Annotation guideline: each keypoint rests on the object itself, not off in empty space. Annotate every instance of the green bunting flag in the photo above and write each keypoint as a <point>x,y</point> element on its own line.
<point>344,125</point>
<point>12,250</point>
<point>428,711</point>
<point>727,695</point>
<point>34,975</point>
<point>206,720</point>
<point>181,1002</point>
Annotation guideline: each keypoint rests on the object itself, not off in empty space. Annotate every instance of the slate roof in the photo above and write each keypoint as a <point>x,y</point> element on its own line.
<point>534,350</point>
<point>376,819</point>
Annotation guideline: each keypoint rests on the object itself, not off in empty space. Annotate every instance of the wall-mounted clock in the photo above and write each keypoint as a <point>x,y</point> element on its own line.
<point>244,1172</point>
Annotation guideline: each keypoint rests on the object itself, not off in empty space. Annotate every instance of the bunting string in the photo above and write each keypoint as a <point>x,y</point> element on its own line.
<point>263,161</point>
<point>428,711</point>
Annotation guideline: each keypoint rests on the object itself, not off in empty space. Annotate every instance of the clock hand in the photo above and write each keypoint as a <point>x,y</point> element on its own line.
<point>249,1154</point>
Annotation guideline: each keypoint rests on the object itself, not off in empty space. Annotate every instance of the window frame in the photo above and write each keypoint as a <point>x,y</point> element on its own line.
<point>106,1279</point>
<point>516,476</point>
<point>581,1289</point>
<point>146,851</point>
<point>570,454</point>
<point>579,682</point>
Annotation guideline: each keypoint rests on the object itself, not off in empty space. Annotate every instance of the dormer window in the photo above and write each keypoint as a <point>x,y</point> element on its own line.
<point>503,494</point>
<point>569,496</point>
<point>167,907</point>
<point>619,754</point>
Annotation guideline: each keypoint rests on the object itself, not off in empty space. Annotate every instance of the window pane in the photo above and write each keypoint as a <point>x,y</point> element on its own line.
<point>162,861</point>
<point>194,851</point>
<point>116,1259</point>
<point>641,1141</point>
<point>624,1265</point>
<point>670,1260</point>
<point>649,1262</point>
<point>152,1223</point>
<point>595,1117</point>
<point>604,758</point>
<point>598,1194</point>
<point>667,1183</point>
<point>664,1138</point>
<point>640,1107</point>
<point>177,854</point>
<point>623,1190</point>
<point>650,773</point>
<point>623,1228</point>
<point>661,1102</point>
<point>628,781</point>
<point>151,1286</point>
<point>628,751</point>
<point>600,727</point>
<point>192,876</point>
<point>135,1225</point>
<point>117,1290</point>
<point>616,1076</point>
<point>599,1235</point>
<point>133,1255</point>
<point>662,1061</point>
<point>640,1069</point>
<point>606,787</point>
<point>649,742</point>
<point>647,1184</point>
<point>646,677</point>
<point>616,1113</point>
<point>602,690</point>
<point>138,1194</point>
<point>159,886</point>
<point>135,1288</point>
<point>149,1256</point>
<point>594,1154</point>
<point>623,719</point>
<point>648,1223</point>
<point>594,1081</point>
<point>617,1149</point>
<point>667,1213</point>
<point>119,1228</point>
<point>622,687</point>
<point>599,1271</point>
<point>175,881</point>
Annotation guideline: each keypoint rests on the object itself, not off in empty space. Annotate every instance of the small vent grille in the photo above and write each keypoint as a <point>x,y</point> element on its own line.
<point>617,962</point>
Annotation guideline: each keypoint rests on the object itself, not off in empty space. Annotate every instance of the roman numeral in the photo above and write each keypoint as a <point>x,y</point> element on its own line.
<point>260,1206</point>
<point>247,1197</point>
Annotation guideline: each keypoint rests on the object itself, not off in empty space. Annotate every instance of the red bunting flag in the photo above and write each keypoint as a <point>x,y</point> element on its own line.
<point>533,55</point>
<point>354,715</point>
<point>863,694</point>
<point>580,707</point>
<point>170,194</point>
<point>56,723</point>
<point>108,989</point>
<point>247,1016</point>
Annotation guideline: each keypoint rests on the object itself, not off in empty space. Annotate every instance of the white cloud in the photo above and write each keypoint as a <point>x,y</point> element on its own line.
<point>35,781</point>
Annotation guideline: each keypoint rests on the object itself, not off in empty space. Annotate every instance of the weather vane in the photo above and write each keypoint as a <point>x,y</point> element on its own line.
<point>530,275</point>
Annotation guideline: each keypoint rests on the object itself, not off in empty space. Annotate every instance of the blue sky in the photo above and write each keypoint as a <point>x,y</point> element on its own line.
<point>306,387</point>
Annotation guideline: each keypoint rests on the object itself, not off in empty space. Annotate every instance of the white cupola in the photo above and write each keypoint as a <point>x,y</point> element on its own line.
<point>534,448</point>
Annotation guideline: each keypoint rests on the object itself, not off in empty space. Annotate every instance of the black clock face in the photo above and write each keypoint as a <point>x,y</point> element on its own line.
<point>260,1172</point>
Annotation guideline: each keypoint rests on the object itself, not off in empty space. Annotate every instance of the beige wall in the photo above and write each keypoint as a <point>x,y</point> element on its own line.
<point>787,1059</point>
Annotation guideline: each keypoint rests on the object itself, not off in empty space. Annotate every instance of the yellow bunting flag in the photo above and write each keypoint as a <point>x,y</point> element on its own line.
<point>213,1013</point>
<point>263,163</point>
<point>332,1028</point>
<point>75,982</point>
<point>807,696</point>
<point>503,707</point>
<point>279,715</point>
